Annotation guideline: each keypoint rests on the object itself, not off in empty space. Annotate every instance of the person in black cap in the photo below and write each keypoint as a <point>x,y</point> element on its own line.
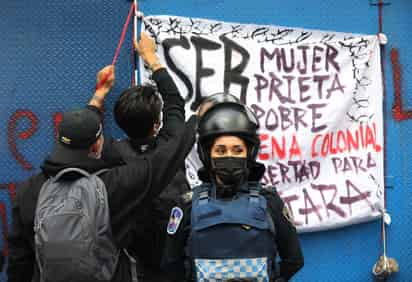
<point>129,184</point>
<point>142,105</point>
<point>233,228</point>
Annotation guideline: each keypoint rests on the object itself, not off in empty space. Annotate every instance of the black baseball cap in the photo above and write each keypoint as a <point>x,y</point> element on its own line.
<point>77,132</point>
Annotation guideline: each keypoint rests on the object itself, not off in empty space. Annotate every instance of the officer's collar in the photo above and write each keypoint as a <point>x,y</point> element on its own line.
<point>203,175</point>
<point>256,171</point>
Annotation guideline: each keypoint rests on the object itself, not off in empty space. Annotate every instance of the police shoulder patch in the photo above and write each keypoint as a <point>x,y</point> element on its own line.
<point>176,216</point>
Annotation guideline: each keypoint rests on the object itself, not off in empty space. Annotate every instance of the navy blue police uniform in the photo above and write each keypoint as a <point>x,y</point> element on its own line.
<point>250,230</point>
<point>232,228</point>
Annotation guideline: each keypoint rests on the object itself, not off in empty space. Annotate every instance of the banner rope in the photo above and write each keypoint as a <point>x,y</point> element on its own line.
<point>136,36</point>
<point>385,265</point>
<point>119,45</point>
<point>382,47</point>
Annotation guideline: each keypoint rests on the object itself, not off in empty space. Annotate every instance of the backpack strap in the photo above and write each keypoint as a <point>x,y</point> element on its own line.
<point>100,172</point>
<point>203,197</point>
<point>133,266</point>
<point>255,198</point>
<point>254,193</point>
<point>68,170</point>
<point>78,171</point>
<point>39,266</point>
<point>202,192</point>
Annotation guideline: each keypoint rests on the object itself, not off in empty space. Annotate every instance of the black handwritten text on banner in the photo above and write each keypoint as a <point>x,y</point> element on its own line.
<point>317,96</point>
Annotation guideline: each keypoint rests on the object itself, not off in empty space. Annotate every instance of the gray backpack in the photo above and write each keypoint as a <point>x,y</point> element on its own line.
<point>73,236</point>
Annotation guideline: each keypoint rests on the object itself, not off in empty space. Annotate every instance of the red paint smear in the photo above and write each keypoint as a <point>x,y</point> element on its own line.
<point>24,135</point>
<point>12,190</point>
<point>57,119</point>
<point>11,187</point>
<point>397,110</point>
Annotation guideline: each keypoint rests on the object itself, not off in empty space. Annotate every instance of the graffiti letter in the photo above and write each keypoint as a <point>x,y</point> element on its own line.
<point>12,134</point>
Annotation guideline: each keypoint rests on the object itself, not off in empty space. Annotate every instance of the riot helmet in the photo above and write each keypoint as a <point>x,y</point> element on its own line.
<point>227,118</point>
<point>222,122</point>
<point>215,99</point>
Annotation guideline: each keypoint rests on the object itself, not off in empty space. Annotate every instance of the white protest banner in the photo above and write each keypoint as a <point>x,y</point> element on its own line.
<point>317,96</point>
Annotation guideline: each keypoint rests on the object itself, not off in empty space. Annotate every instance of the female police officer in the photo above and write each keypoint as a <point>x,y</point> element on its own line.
<point>233,228</point>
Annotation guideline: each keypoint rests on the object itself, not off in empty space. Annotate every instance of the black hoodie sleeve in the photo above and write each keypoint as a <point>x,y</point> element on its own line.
<point>143,178</point>
<point>173,103</point>
<point>1,260</point>
<point>287,239</point>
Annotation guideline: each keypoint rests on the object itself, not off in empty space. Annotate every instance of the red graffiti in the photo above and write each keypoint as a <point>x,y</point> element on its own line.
<point>11,187</point>
<point>24,135</point>
<point>398,112</point>
<point>57,119</point>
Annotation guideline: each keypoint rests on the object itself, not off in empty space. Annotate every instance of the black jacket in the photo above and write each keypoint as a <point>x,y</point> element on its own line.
<point>286,237</point>
<point>129,186</point>
<point>1,261</point>
<point>148,237</point>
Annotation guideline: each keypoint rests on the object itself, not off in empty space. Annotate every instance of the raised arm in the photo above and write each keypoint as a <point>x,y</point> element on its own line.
<point>104,82</point>
<point>173,103</point>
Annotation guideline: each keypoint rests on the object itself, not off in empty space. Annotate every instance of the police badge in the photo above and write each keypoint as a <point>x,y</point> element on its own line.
<point>176,216</point>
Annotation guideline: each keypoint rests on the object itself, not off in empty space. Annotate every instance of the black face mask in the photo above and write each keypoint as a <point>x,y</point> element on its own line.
<point>232,172</point>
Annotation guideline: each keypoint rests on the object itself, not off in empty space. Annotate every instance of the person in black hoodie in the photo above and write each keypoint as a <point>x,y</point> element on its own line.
<point>129,185</point>
<point>203,236</point>
<point>142,105</point>
<point>1,261</point>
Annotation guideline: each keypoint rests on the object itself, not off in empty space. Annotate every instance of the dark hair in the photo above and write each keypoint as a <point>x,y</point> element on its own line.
<point>137,110</point>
